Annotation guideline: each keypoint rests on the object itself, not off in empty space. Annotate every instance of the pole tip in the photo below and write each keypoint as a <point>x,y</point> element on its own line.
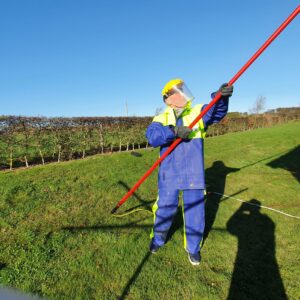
<point>114,210</point>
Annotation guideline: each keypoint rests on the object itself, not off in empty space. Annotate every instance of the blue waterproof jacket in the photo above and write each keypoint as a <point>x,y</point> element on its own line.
<point>183,168</point>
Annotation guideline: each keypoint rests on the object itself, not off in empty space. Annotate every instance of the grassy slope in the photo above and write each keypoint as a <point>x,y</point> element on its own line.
<point>59,240</point>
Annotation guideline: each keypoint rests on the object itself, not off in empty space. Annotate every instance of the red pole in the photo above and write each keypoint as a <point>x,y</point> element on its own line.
<point>213,101</point>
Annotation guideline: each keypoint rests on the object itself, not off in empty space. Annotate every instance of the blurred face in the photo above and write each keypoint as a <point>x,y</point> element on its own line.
<point>178,96</point>
<point>176,100</point>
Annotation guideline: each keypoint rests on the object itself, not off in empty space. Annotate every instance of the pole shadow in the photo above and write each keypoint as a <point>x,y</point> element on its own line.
<point>109,227</point>
<point>144,203</point>
<point>134,277</point>
<point>216,181</point>
<point>263,159</point>
<point>176,224</point>
<point>127,228</point>
<point>256,273</point>
<point>289,161</point>
<point>124,228</point>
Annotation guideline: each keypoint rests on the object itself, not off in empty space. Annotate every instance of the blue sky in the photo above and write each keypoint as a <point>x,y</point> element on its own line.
<point>88,58</point>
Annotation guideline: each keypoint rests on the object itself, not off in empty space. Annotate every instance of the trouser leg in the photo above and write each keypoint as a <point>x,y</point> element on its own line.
<point>194,219</point>
<point>164,210</point>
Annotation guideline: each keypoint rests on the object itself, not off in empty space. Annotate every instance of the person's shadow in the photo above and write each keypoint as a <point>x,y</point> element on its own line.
<point>216,180</point>
<point>256,273</point>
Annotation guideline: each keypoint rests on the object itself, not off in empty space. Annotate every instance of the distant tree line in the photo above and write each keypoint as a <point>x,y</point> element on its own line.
<point>36,140</point>
<point>236,121</point>
<point>33,140</point>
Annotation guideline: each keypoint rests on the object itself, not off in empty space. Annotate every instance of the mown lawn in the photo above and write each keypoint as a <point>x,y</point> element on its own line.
<point>59,240</point>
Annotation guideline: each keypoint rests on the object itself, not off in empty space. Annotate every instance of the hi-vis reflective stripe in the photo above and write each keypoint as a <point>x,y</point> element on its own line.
<point>184,229</point>
<point>188,116</point>
<point>154,209</point>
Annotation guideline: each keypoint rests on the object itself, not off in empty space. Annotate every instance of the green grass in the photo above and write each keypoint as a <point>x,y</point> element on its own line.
<point>59,240</point>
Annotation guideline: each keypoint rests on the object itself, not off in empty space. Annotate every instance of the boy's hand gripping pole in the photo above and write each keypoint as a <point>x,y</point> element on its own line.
<point>213,101</point>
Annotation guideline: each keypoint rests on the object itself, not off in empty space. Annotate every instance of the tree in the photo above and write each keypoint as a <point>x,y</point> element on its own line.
<point>259,105</point>
<point>8,139</point>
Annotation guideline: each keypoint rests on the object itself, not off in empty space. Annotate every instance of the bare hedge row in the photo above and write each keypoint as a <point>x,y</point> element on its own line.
<point>251,122</point>
<point>36,140</point>
<point>27,140</point>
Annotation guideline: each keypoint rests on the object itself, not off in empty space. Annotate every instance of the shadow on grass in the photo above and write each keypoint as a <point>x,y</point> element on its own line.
<point>136,154</point>
<point>289,161</point>
<point>108,227</point>
<point>256,272</point>
<point>129,226</point>
<point>134,276</point>
<point>217,175</point>
<point>216,181</point>
<point>177,223</point>
<point>263,159</point>
<point>112,227</point>
<point>132,225</point>
<point>2,266</point>
<point>147,204</point>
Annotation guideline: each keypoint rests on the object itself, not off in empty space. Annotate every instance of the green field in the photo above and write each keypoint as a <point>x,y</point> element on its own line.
<point>59,240</point>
